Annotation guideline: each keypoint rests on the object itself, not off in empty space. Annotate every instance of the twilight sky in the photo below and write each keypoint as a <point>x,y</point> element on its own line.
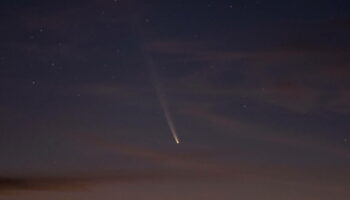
<point>258,92</point>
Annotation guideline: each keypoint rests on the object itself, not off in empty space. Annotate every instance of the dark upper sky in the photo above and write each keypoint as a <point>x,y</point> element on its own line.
<point>258,91</point>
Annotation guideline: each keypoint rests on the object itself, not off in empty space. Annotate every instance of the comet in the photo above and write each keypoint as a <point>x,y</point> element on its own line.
<point>163,103</point>
<point>156,83</point>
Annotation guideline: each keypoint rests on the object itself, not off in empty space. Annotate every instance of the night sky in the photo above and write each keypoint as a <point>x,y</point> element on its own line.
<point>92,93</point>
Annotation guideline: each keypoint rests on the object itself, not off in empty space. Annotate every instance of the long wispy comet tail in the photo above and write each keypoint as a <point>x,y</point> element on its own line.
<point>161,96</point>
<point>155,79</point>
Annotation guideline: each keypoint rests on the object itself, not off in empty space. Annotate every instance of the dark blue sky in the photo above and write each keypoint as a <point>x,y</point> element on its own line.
<point>259,93</point>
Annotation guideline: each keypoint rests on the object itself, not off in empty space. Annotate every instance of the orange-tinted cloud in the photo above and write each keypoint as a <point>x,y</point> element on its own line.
<point>264,133</point>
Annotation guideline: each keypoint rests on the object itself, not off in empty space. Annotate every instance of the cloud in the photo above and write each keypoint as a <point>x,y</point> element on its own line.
<point>108,90</point>
<point>253,131</point>
<point>299,79</point>
<point>171,166</point>
<point>12,184</point>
